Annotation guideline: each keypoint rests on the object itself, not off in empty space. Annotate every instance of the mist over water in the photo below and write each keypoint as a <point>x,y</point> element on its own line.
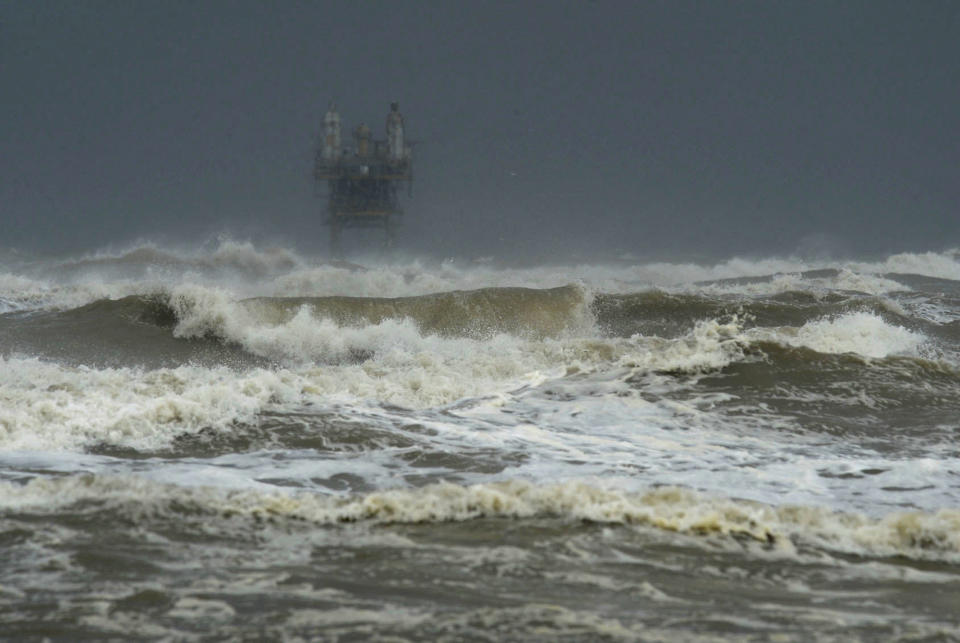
<point>452,449</point>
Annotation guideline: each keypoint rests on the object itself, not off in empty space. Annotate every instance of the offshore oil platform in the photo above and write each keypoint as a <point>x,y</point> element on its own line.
<point>362,184</point>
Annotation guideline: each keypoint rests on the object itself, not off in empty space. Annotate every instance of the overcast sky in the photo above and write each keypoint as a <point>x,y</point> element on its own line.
<point>544,128</point>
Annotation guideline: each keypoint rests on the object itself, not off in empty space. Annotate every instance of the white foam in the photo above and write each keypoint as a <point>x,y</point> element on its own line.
<point>50,406</point>
<point>228,253</point>
<point>710,345</point>
<point>36,293</point>
<point>844,280</point>
<point>23,293</point>
<point>941,265</point>
<point>46,406</point>
<point>245,255</point>
<point>248,271</point>
<point>919,535</point>
<point>848,279</point>
<point>863,333</point>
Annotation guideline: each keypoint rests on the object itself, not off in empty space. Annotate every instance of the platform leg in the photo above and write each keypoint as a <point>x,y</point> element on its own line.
<point>389,233</point>
<point>336,246</point>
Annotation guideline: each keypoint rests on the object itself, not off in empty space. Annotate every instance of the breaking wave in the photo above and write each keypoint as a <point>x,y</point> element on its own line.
<point>479,314</point>
<point>55,406</point>
<point>862,333</point>
<point>228,255</point>
<point>787,528</point>
<point>337,328</point>
<point>279,271</point>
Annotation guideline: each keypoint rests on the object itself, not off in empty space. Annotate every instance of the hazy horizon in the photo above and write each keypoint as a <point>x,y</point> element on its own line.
<point>573,129</point>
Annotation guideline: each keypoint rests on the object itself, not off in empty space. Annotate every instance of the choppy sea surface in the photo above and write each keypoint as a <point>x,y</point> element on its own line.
<point>246,443</point>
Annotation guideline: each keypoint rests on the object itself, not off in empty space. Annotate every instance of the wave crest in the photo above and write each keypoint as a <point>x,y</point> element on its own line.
<point>914,535</point>
<point>339,328</point>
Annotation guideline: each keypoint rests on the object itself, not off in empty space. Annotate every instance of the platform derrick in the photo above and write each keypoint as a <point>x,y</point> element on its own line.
<point>362,185</point>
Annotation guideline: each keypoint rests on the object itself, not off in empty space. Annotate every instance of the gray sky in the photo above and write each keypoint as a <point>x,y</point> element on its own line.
<point>546,128</point>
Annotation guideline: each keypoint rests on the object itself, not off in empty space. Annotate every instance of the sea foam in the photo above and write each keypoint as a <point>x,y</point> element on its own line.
<point>863,333</point>
<point>784,528</point>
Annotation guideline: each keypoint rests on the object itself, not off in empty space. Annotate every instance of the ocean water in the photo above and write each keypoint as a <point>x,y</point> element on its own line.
<point>247,443</point>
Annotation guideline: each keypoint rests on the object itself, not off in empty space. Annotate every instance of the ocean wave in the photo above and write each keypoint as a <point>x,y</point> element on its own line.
<point>350,328</point>
<point>863,333</point>
<point>47,405</point>
<point>819,283</point>
<point>336,328</point>
<point>251,271</point>
<point>785,528</point>
<point>21,293</point>
<point>51,406</point>
<point>478,313</point>
<point>940,265</point>
<point>228,254</point>
<point>658,312</point>
<point>751,277</point>
<point>417,352</point>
